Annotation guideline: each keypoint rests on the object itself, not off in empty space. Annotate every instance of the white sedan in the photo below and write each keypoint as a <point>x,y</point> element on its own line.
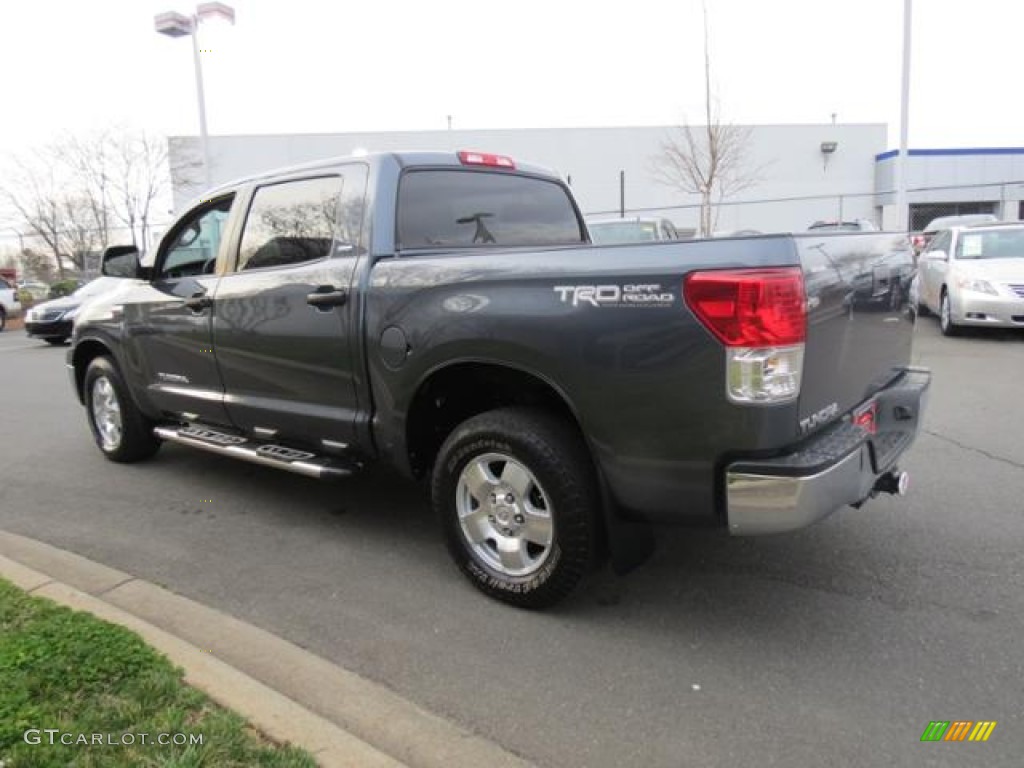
<point>974,276</point>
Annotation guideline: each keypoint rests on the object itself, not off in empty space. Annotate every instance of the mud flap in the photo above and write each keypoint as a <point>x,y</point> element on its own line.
<point>630,543</point>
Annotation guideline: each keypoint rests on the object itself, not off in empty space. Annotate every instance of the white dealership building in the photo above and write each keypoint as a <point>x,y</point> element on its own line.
<point>795,174</point>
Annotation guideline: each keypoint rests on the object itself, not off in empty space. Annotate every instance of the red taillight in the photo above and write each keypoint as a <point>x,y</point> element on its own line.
<point>482,158</point>
<point>866,418</point>
<point>750,307</point>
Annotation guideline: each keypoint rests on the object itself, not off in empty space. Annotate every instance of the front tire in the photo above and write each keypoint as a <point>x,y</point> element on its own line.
<point>517,494</point>
<point>3,319</point>
<point>56,342</point>
<point>946,324</point>
<point>119,428</point>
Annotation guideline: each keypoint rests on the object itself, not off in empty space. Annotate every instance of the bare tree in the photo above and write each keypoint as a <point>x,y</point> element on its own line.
<point>37,265</point>
<point>87,160</point>
<point>34,193</point>
<point>120,173</point>
<point>188,174</point>
<point>72,194</point>
<point>140,176</point>
<point>709,161</point>
<point>82,238</point>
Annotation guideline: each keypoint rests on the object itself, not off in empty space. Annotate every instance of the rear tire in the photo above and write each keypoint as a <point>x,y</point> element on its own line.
<point>895,298</point>
<point>3,319</point>
<point>517,495</point>
<point>119,428</point>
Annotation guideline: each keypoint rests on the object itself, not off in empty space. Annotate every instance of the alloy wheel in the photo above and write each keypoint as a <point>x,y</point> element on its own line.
<point>106,413</point>
<point>505,515</point>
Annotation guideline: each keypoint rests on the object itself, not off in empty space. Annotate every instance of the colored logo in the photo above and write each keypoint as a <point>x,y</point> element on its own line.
<point>959,730</point>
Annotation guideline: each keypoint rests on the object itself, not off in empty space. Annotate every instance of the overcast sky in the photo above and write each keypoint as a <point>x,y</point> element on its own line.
<point>315,66</point>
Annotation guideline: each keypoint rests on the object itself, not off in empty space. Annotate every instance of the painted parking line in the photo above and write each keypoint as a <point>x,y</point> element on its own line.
<point>23,346</point>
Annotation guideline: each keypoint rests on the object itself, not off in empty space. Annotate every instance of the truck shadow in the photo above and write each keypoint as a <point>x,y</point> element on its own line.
<point>765,587</point>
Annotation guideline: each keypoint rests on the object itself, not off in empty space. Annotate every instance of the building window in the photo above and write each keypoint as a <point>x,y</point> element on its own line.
<point>923,213</point>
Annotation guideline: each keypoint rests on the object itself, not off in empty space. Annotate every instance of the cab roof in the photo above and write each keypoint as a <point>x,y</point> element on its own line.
<point>404,159</point>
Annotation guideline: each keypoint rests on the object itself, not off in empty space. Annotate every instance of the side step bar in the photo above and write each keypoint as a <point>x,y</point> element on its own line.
<point>267,454</point>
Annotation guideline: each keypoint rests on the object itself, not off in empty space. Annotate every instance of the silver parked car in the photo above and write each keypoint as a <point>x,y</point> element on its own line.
<point>974,276</point>
<point>637,229</point>
<point>921,239</point>
<point>9,304</point>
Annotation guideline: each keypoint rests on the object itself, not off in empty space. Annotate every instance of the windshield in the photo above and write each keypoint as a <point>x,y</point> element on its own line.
<point>623,231</point>
<point>95,287</point>
<point>991,244</point>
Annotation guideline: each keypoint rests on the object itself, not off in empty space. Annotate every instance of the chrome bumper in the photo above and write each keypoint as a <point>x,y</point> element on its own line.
<point>777,495</point>
<point>760,504</point>
<point>73,379</point>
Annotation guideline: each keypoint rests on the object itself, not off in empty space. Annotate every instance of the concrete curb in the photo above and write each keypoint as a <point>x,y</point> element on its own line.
<point>287,693</point>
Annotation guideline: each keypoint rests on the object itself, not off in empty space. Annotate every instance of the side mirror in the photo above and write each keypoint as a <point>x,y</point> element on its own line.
<point>935,256</point>
<point>120,261</point>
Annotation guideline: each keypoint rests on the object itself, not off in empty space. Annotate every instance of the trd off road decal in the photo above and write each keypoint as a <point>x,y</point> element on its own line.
<point>628,295</point>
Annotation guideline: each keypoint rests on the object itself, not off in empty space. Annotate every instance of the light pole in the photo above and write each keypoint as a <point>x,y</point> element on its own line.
<point>902,210</point>
<point>21,238</point>
<point>175,24</point>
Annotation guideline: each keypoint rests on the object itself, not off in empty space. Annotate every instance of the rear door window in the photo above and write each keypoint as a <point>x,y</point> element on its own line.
<point>290,223</point>
<point>453,208</point>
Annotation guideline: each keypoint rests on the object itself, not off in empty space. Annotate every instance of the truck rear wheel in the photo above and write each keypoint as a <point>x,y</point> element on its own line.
<point>518,498</point>
<point>120,430</point>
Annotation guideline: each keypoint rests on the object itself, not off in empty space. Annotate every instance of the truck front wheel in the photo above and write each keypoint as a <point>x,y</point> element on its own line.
<point>121,431</point>
<point>518,498</point>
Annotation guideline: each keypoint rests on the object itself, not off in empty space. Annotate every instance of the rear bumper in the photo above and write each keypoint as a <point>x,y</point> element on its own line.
<point>836,467</point>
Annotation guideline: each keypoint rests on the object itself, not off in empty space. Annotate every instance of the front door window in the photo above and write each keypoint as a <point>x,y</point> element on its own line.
<point>195,245</point>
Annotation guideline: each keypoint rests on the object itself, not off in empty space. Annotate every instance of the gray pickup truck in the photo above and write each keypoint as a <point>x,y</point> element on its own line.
<point>445,314</point>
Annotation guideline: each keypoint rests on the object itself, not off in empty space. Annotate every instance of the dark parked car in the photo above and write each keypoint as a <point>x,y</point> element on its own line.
<point>885,281</point>
<point>52,321</point>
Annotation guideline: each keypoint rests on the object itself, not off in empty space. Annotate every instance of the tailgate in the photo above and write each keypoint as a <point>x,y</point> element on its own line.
<point>859,329</point>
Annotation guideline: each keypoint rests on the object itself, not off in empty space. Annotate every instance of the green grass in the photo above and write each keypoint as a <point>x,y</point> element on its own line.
<point>66,670</point>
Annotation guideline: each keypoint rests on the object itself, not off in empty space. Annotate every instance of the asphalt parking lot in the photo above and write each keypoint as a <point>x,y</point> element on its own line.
<point>832,646</point>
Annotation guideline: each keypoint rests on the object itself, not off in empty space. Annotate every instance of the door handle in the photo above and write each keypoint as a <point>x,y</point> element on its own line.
<point>198,302</point>
<point>327,296</point>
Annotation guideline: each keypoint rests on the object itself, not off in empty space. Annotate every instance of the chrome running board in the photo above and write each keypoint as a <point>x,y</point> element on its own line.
<point>268,454</point>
